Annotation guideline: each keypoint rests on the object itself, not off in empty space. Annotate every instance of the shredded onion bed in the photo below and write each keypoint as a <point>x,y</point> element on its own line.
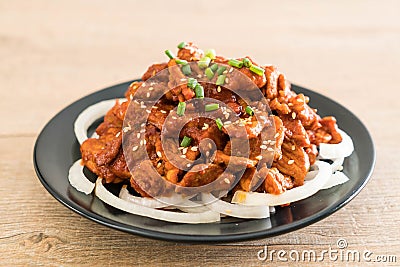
<point>210,209</point>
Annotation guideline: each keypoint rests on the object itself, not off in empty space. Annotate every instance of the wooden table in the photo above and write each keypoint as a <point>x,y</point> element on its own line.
<point>54,52</point>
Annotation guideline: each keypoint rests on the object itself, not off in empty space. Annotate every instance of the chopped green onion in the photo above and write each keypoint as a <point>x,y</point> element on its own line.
<point>204,62</point>
<point>181,45</point>
<point>220,80</point>
<point>246,62</point>
<point>214,67</point>
<point>249,110</point>
<point>181,109</point>
<point>186,69</point>
<point>211,107</point>
<point>199,91</point>
<point>210,53</point>
<point>219,123</point>
<point>191,83</point>
<point>181,61</point>
<point>257,70</point>
<point>169,54</point>
<point>235,63</point>
<point>186,141</point>
<point>209,73</point>
<point>221,70</point>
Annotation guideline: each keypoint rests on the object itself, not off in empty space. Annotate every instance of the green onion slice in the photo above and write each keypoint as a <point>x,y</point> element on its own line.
<point>257,70</point>
<point>181,61</point>
<point>249,110</point>
<point>235,63</point>
<point>186,141</point>
<point>220,80</point>
<point>214,67</point>
<point>246,62</point>
<point>191,83</point>
<point>211,107</point>
<point>181,109</point>
<point>204,62</point>
<point>169,54</point>
<point>209,73</point>
<point>199,91</point>
<point>221,70</point>
<point>210,53</point>
<point>181,45</point>
<point>186,69</point>
<point>219,123</point>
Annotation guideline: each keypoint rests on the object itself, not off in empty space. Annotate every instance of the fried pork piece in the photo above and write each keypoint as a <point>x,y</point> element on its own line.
<point>276,183</point>
<point>153,70</point>
<point>190,52</point>
<point>294,162</point>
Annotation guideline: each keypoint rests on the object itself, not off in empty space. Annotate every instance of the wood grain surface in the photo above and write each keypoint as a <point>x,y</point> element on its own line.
<point>54,52</point>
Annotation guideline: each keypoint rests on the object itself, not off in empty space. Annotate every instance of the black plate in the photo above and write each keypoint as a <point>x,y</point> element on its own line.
<point>57,148</point>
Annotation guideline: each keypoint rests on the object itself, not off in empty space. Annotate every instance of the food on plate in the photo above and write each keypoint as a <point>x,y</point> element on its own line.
<point>207,135</point>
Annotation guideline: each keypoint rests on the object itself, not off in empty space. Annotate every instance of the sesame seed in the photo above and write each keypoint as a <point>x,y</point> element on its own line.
<point>188,165</point>
<point>135,101</point>
<point>183,79</point>
<point>293,115</point>
<point>135,148</point>
<point>155,107</point>
<point>280,157</point>
<point>226,80</point>
<point>143,106</point>
<point>230,70</point>
<point>138,135</point>
<point>340,168</point>
<point>272,142</point>
<point>270,149</point>
<point>151,88</point>
<point>259,157</point>
<point>159,165</point>
<point>131,97</point>
<point>199,76</point>
<point>226,180</point>
<point>227,122</point>
<point>159,154</point>
<point>207,153</point>
<point>143,124</point>
<point>227,115</point>
<point>142,131</point>
<point>181,147</point>
<point>144,141</point>
<point>163,111</point>
<point>265,142</point>
<point>291,161</point>
<point>141,142</point>
<point>290,104</point>
<point>148,94</point>
<point>300,100</point>
<point>126,129</point>
<point>143,84</point>
<point>276,135</point>
<point>225,72</point>
<point>293,147</point>
<point>173,117</point>
<point>183,156</point>
<point>263,147</point>
<point>219,89</point>
<point>194,148</point>
<point>184,150</point>
<point>205,127</point>
<point>118,134</point>
<point>148,111</point>
<point>209,145</point>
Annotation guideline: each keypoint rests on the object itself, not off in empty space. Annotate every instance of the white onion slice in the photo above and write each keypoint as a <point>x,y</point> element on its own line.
<point>160,202</point>
<point>337,164</point>
<point>88,116</point>
<point>78,179</point>
<point>191,207</point>
<point>234,210</point>
<point>308,189</point>
<point>163,215</point>
<point>336,179</point>
<point>341,150</point>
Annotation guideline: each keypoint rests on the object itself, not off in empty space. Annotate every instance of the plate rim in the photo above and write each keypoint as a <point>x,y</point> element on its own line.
<point>174,237</point>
